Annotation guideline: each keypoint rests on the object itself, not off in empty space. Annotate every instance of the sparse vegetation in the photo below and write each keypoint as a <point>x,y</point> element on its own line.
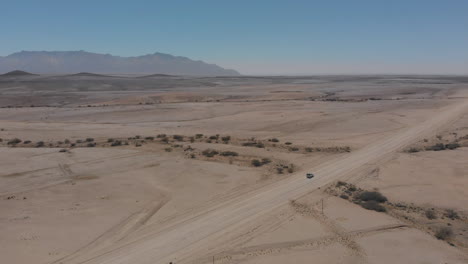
<point>229,153</point>
<point>444,233</point>
<point>226,139</point>
<point>178,137</point>
<point>430,214</point>
<point>372,196</point>
<point>209,153</point>
<point>168,149</point>
<point>373,205</point>
<point>40,144</point>
<point>256,163</point>
<point>89,139</point>
<point>14,141</point>
<point>288,143</point>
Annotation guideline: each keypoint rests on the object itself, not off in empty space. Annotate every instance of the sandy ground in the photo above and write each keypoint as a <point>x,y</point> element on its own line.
<point>149,204</point>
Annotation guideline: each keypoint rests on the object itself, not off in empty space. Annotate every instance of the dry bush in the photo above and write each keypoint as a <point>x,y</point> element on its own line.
<point>229,153</point>
<point>444,233</point>
<point>14,141</point>
<point>373,205</point>
<point>168,149</point>
<point>209,153</point>
<point>430,214</point>
<point>372,196</point>
<point>256,163</point>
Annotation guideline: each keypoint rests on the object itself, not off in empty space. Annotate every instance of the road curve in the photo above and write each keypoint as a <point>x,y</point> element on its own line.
<point>188,236</point>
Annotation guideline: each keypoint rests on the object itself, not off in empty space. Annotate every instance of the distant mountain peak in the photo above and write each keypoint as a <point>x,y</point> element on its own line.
<point>17,73</point>
<point>84,61</point>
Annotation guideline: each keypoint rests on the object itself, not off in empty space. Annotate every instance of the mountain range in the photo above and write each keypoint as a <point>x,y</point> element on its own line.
<point>62,62</point>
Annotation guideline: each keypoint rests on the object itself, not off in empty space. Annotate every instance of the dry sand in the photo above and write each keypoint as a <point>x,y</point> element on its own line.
<point>162,202</point>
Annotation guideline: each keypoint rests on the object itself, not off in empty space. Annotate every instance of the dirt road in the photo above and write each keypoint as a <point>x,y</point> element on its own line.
<point>188,236</point>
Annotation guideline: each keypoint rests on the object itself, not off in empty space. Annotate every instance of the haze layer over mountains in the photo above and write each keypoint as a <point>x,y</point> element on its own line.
<point>82,61</point>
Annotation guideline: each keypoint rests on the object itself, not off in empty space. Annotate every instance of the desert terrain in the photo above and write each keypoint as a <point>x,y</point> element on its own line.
<point>161,168</point>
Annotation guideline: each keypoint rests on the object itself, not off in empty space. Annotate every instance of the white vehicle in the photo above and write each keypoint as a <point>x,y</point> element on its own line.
<point>310,175</point>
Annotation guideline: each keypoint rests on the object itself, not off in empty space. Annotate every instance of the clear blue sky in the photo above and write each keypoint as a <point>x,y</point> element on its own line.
<point>256,36</point>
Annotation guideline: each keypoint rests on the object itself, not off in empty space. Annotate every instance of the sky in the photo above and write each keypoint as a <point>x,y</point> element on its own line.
<point>257,37</point>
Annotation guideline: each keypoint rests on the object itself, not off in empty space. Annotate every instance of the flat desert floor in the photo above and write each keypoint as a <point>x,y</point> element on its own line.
<point>160,169</point>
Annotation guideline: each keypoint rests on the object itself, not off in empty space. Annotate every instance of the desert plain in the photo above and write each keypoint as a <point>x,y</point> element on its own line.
<point>161,169</point>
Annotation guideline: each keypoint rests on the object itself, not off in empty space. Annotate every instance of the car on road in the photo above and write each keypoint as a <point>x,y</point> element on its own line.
<point>310,175</point>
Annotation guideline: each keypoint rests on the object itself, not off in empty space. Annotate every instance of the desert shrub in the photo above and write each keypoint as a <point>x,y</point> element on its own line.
<point>149,138</point>
<point>274,140</point>
<point>26,141</point>
<point>430,214</point>
<point>40,144</point>
<point>67,141</point>
<point>340,183</point>
<point>198,135</point>
<point>452,146</point>
<point>14,141</point>
<point>214,137</point>
<point>72,144</point>
<point>59,142</point>
<point>308,149</point>
<point>372,196</point>
<point>226,139</point>
<point>253,144</point>
<point>89,139</point>
<point>266,160</point>
<point>436,147</point>
<point>291,168</point>
<point>168,149</point>
<point>346,149</point>
<point>209,153</point>
<point>137,145</point>
<point>63,150</point>
<point>344,196</point>
<point>373,205</point>
<point>137,137</point>
<point>79,141</point>
<point>444,233</point>
<point>91,144</point>
<point>161,136</point>
<point>192,156</point>
<point>279,170</point>
<point>116,143</point>
<point>192,139</point>
<point>439,137</point>
<point>294,149</point>
<point>352,188</point>
<point>1,139</point>
<point>110,140</point>
<point>229,153</point>
<point>165,140</point>
<point>178,137</point>
<point>288,143</point>
<point>413,150</point>
<point>452,214</point>
<point>256,163</point>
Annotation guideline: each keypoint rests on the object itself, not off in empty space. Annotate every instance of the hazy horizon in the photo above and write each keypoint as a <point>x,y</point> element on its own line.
<point>260,38</point>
